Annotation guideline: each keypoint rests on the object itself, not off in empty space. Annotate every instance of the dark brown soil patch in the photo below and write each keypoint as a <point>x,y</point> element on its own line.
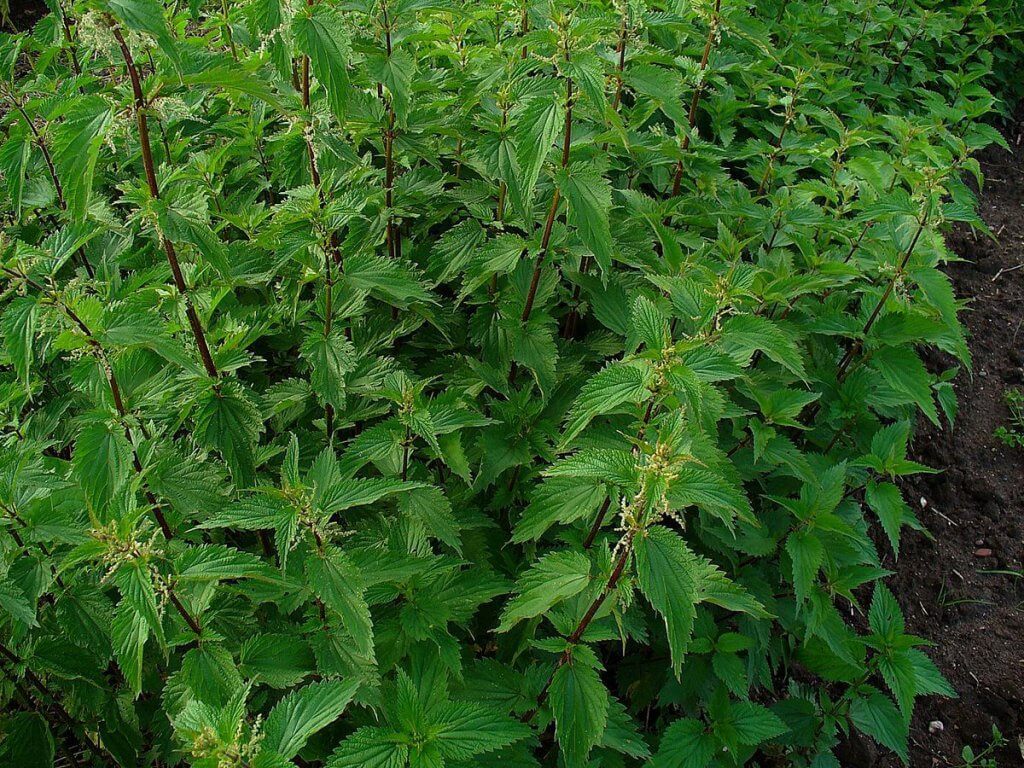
<point>975,508</point>
<point>25,13</point>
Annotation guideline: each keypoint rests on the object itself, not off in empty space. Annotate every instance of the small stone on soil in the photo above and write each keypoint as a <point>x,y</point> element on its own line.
<point>936,726</point>
<point>983,552</point>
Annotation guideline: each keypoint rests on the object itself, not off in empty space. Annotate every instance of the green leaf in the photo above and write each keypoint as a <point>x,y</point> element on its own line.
<point>536,129</point>
<point>667,571</point>
<point>102,461</point>
<point>604,393</point>
<point>371,747</point>
<point>745,334</point>
<point>685,744</point>
<point>28,742</point>
<point>128,638</point>
<point>555,577</point>
<point>15,603</point>
<point>579,702</point>
<point>905,373</point>
<point>558,500</point>
<point>19,322</point>
<point>886,501</point>
<point>304,712</point>
<point>14,158</point>
<point>228,421</point>
<point>875,715</point>
<point>465,730</point>
<point>321,35</point>
<point>76,146</point>
<point>337,581</point>
<point>806,554</point>
<point>279,660</point>
<point>752,723</point>
<point>217,562</point>
<point>330,357</point>
<point>589,196</point>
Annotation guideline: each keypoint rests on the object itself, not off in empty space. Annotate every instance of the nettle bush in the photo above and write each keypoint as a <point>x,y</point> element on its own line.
<point>404,382</point>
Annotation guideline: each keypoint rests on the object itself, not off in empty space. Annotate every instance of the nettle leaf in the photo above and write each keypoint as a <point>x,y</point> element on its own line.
<point>687,743</point>
<point>336,580</point>
<point>28,741</point>
<point>76,145</point>
<point>228,421</point>
<point>552,579</point>
<point>321,35</point>
<point>589,196</point>
<point>667,571</point>
<point>579,703</point>
<point>15,604</point>
<point>128,638</point>
<point>330,357</point>
<point>558,500</point>
<point>465,730</point>
<point>102,461</point>
<point>875,715</point>
<point>14,157</point>
<point>604,393</point>
<point>746,334</point>
<point>303,713</point>
<point>371,747</point>
<point>886,501</point>
<point>19,322</point>
<point>537,127</point>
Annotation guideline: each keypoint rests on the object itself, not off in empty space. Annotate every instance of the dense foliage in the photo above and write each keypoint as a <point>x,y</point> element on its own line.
<point>396,382</point>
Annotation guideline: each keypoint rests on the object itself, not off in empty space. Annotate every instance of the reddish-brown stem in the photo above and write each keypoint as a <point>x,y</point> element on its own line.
<point>62,713</point>
<point>545,240</point>
<point>896,65</point>
<point>57,186</point>
<point>69,38</point>
<point>112,382</point>
<point>596,527</point>
<point>524,27</point>
<point>154,190</point>
<point>193,624</point>
<point>698,91</point>
<point>625,550</point>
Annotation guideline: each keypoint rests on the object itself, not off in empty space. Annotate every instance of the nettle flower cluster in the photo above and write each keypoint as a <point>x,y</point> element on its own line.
<point>441,383</point>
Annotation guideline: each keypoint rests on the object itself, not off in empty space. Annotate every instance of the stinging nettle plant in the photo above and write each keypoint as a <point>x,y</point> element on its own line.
<point>411,382</point>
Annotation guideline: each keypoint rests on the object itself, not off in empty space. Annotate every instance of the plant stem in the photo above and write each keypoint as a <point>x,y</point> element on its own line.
<point>332,251</point>
<point>57,186</point>
<point>189,619</point>
<point>596,527</point>
<point>62,713</point>
<point>572,319</point>
<point>625,550</point>
<point>112,382</point>
<point>549,223</point>
<point>698,91</point>
<point>154,190</point>
<point>227,29</point>
<point>392,233</point>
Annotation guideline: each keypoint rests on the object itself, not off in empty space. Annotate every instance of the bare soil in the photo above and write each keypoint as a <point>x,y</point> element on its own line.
<point>963,587</point>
